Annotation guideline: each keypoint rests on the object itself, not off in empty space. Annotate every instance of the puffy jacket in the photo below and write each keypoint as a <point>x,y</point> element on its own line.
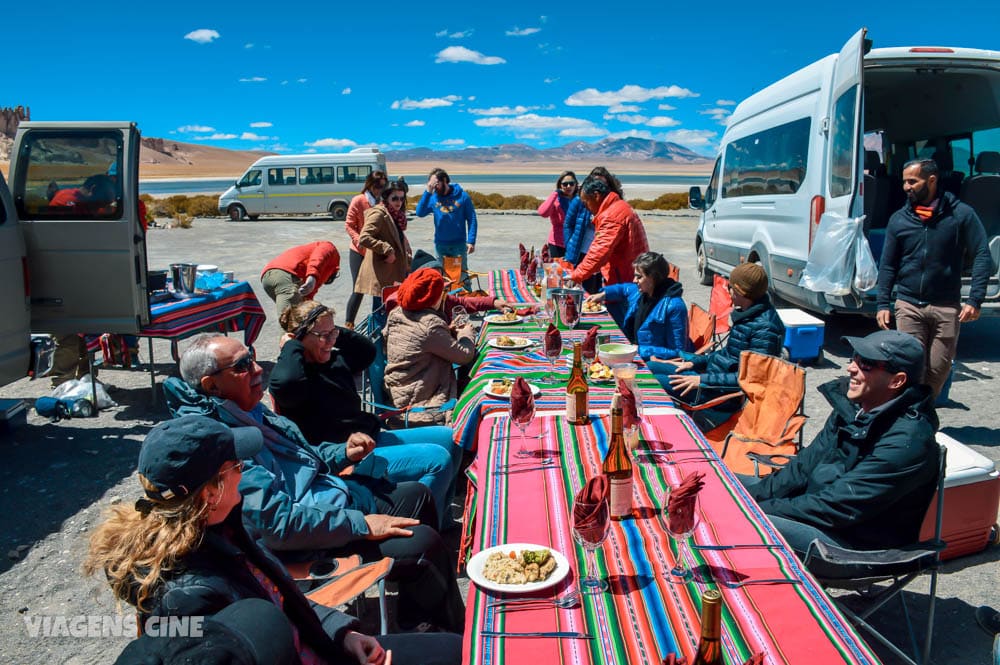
<point>454,216</point>
<point>664,333</point>
<point>619,237</point>
<point>321,398</point>
<point>867,478</point>
<point>554,208</point>
<point>924,259</point>
<point>215,575</point>
<point>578,230</point>
<point>356,220</point>
<point>756,328</point>
<point>381,235</point>
<point>316,259</point>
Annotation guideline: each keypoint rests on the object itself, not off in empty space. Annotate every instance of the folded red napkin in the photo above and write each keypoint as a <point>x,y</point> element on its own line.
<point>756,659</point>
<point>525,311</point>
<point>546,256</point>
<point>680,506</point>
<point>522,402</point>
<point>590,508</point>
<point>589,346</point>
<point>674,659</point>
<point>524,258</point>
<point>553,340</point>
<point>630,414</point>
<point>569,310</point>
<point>531,276</point>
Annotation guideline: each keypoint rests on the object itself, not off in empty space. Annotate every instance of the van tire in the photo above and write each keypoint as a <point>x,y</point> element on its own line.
<point>237,213</point>
<point>253,218</point>
<point>705,276</point>
<point>338,211</point>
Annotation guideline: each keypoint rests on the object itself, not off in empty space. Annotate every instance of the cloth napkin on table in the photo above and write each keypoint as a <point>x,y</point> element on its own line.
<point>525,258</point>
<point>630,413</point>
<point>680,505</point>
<point>531,276</point>
<point>589,347</point>
<point>590,507</point>
<point>756,659</point>
<point>522,402</point>
<point>546,256</point>
<point>553,340</point>
<point>569,310</point>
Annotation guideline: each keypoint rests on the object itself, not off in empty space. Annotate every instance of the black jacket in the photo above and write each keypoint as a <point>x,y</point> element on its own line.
<point>865,479</point>
<point>322,399</point>
<point>924,259</point>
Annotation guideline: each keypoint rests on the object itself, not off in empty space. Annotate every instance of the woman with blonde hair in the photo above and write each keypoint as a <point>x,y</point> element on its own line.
<point>355,221</point>
<point>182,549</point>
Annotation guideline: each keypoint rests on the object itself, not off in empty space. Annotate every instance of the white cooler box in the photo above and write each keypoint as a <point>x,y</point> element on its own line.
<point>803,334</point>
<point>971,498</point>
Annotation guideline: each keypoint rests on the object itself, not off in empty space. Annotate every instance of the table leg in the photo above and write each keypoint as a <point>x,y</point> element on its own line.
<point>93,382</point>
<point>152,371</point>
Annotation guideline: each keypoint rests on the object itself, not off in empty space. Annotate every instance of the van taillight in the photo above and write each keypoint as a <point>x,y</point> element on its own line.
<point>931,49</point>
<point>816,208</point>
<point>26,276</point>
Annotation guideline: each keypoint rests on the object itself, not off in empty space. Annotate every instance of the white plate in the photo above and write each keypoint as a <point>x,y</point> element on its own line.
<point>602,310</point>
<point>524,343</point>
<point>496,320</point>
<point>486,389</point>
<point>475,569</point>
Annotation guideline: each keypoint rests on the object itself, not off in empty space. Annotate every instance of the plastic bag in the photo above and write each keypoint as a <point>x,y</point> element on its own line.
<point>865,270</point>
<point>831,263</point>
<point>82,387</point>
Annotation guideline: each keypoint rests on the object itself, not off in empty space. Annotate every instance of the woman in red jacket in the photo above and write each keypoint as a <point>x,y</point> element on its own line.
<point>368,197</point>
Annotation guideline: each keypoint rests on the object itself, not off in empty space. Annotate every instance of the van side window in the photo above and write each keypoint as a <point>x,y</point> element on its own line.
<point>842,144</point>
<point>315,175</point>
<point>70,176</point>
<point>250,179</point>
<point>767,163</point>
<point>281,176</point>
<point>354,173</point>
<point>713,185</point>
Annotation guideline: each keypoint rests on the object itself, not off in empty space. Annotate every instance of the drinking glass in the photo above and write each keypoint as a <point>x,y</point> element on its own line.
<point>591,539</point>
<point>680,572</point>
<point>569,317</point>
<point>522,418</point>
<point>543,316</point>
<point>553,355</point>
<point>459,317</point>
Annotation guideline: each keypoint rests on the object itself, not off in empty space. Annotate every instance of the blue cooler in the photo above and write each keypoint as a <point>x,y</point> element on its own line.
<point>803,334</point>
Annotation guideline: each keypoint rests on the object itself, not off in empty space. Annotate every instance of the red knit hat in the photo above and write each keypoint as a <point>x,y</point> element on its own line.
<point>421,290</point>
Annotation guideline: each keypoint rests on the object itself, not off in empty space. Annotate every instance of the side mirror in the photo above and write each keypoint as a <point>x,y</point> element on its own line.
<point>236,184</point>
<point>695,201</point>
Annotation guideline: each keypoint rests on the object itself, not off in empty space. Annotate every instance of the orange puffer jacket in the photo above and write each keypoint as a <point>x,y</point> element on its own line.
<point>619,237</point>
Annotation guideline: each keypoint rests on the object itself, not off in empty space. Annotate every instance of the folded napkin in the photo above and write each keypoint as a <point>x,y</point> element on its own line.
<point>674,659</point>
<point>680,506</point>
<point>522,402</point>
<point>546,256</point>
<point>589,347</point>
<point>525,258</point>
<point>590,508</point>
<point>756,659</point>
<point>531,276</point>
<point>569,310</point>
<point>630,413</point>
<point>553,340</point>
<point>526,311</point>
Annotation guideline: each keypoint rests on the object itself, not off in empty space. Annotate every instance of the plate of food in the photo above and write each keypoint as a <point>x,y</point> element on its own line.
<point>594,308</point>
<point>500,388</point>
<point>598,372</point>
<point>517,568</point>
<point>505,319</point>
<point>508,343</point>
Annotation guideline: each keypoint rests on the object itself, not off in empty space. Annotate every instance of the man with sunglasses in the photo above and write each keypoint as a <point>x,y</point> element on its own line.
<point>866,480</point>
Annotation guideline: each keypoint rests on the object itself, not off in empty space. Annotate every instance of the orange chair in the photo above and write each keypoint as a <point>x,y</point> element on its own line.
<point>720,303</point>
<point>701,329</point>
<point>342,580</point>
<point>673,272</point>
<point>453,270</point>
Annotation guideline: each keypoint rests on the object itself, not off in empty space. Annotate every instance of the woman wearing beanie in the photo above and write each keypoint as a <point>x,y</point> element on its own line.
<point>697,378</point>
<point>421,347</point>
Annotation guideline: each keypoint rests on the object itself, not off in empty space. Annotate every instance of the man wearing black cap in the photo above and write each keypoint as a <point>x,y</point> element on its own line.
<point>867,478</point>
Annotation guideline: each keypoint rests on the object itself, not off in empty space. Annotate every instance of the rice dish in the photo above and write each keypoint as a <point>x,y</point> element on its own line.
<point>519,568</point>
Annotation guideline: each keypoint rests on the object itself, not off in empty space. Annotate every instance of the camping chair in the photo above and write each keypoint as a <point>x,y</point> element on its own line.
<point>342,580</point>
<point>720,303</point>
<point>453,271</point>
<point>768,427</point>
<point>860,571</point>
<point>701,329</point>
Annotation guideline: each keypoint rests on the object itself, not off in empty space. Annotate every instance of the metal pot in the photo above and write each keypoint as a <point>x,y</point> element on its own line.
<point>184,276</point>
<point>569,305</point>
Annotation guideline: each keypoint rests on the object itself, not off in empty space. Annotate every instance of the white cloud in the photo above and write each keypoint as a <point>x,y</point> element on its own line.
<point>550,79</point>
<point>504,110</point>
<point>202,36</point>
<point>254,79</point>
<point>662,121</point>
<point>623,108</point>
<point>216,137</point>
<point>725,102</point>
<point>718,114</point>
<point>345,91</point>
<point>534,121</point>
<point>250,136</point>
<point>331,143</point>
<point>407,104</point>
<point>415,123</point>
<point>692,138</point>
<point>666,107</point>
<point>632,134</point>
<point>584,131</point>
<point>195,128</point>
<point>452,142</point>
<point>522,32</point>
<point>248,45</point>
<point>529,136</point>
<point>655,121</point>
<point>462,54</point>
<point>261,124</point>
<point>458,34</point>
<point>284,82</point>
<point>627,93</point>
<point>302,80</point>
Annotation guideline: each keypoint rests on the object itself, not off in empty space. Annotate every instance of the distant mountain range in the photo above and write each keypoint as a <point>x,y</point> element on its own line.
<point>626,149</point>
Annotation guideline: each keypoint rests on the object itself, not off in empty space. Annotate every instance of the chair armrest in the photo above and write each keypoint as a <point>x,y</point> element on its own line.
<point>710,403</point>
<point>833,562</point>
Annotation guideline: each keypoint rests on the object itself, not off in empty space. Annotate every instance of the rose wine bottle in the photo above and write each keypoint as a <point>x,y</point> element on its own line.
<point>617,465</point>
<point>710,646</point>
<point>577,391</point>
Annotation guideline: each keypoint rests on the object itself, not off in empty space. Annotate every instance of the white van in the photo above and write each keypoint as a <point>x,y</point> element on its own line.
<point>833,137</point>
<point>301,184</point>
<point>72,247</point>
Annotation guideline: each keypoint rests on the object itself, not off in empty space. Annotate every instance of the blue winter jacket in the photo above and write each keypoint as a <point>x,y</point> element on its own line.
<point>575,230</point>
<point>756,328</point>
<point>454,216</point>
<point>664,333</point>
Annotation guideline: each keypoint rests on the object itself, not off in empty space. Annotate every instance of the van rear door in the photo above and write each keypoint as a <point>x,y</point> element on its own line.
<point>845,120</point>
<point>14,321</point>
<point>75,191</point>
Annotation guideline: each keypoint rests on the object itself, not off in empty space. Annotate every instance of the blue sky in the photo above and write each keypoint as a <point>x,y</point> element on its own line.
<point>291,78</point>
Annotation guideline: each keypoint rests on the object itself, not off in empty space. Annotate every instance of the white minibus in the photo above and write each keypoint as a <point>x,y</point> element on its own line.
<point>300,184</point>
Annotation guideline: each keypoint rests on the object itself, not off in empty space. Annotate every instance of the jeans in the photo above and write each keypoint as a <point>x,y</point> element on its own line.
<point>455,249</point>
<point>797,534</point>
<point>706,419</point>
<point>427,455</point>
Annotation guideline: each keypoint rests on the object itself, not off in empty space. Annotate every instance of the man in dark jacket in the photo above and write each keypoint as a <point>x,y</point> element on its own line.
<point>926,243</point>
<point>867,478</point>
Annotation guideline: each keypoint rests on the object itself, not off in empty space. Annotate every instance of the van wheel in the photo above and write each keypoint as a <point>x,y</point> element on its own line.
<point>236,212</point>
<point>253,218</point>
<point>705,276</point>
<point>338,211</point>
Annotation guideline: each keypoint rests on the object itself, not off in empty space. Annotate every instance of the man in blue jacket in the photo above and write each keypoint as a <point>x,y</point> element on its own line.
<point>926,243</point>
<point>454,217</point>
<point>866,480</point>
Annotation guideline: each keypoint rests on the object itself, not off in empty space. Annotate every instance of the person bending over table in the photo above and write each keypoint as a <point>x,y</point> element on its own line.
<point>866,480</point>
<point>298,273</point>
<point>312,384</point>
<point>182,550</point>
<point>655,313</point>
<point>295,498</point>
<point>756,326</point>
<point>421,347</point>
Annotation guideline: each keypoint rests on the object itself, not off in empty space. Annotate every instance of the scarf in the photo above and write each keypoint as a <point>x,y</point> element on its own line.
<point>646,305</point>
<point>399,216</point>
<point>925,212</point>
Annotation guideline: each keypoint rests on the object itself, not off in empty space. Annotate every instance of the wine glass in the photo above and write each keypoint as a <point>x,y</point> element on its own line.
<point>459,316</point>
<point>552,352</point>
<point>591,538</point>
<point>522,417</point>
<point>680,530</point>
<point>543,316</point>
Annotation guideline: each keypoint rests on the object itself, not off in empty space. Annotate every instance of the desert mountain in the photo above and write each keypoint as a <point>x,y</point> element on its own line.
<point>626,149</point>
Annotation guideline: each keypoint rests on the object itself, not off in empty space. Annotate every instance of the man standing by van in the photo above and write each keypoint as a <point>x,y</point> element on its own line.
<point>454,218</point>
<point>926,242</point>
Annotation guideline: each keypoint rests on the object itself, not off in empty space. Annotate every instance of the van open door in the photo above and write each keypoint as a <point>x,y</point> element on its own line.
<point>845,124</point>
<point>75,190</point>
<point>14,322</point>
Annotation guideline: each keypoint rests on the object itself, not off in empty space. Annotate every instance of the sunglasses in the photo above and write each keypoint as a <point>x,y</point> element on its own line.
<point>242,365</point>
<point>866,365</point>
<point>325,336</point>
<point>397,198</point>
<point>237,467</point>
<point>568,183</point>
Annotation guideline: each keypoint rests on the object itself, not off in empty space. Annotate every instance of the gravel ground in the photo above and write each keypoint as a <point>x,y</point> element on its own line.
<point>57,478</point>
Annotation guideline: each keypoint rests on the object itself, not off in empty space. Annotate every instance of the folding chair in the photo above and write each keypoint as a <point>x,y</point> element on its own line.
<point>860,571</point>
<point>453,270</point>
<point>701,329</point>
<point>342,580</point>
<point>720,303</point>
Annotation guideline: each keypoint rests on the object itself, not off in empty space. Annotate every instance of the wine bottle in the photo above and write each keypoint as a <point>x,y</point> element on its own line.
<point>577,391</point>
<point>710,646</point>
<point>617,465</point>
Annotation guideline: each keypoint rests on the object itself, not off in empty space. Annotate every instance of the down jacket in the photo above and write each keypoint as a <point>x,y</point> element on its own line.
<point>756,328</point>
<point>664,333</point>
<point>619,237</point>
<point>318,259</point>
<point>380,235</point>
<point>578,230</point>
<point>867,478</point>
<point>420,351</point>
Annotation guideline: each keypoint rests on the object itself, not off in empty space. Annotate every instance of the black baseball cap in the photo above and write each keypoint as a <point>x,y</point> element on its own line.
<point>180,455</point>
<point>424,259</point>
<point>900,351</point>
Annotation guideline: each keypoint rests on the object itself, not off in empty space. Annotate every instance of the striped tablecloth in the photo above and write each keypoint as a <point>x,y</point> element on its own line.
<point>644,616</point>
